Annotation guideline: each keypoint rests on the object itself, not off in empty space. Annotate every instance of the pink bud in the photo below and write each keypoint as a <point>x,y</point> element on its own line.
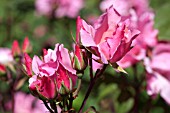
<point>26,47</point>
<point>78,27</point>
<point>65,80</point>
<point>43,86</point>
<point>2,69</point>
<point>15,48</point>
<point>28,64</point>
<point>79,60</point>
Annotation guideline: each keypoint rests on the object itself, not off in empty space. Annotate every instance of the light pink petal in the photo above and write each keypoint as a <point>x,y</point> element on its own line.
<point>87,35</point>
<point>50,56</point>
<point>28,63</point>
<point>6,56</point>
<point>64,58</point>
<point>161,61</point>
<point>157,84</point>
<point>36,62</point>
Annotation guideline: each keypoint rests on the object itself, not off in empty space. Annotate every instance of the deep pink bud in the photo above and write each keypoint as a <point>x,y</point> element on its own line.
<point>26,47</point>
<point>15,48</point>
<point>28,64</point>
<point>2,69</point>
<point>78,27</point>
<point>44,87</point>
<point>79,60</point>
<point>65,80</point>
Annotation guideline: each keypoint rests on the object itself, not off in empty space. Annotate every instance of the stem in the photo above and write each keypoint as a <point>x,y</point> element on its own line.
<point>78,88</point>
<point>91,66</point>
<point>54,107</point>
<point>64,104</point>
<point>71,101</point>
<point>46,105</point>
<point>92,83</point>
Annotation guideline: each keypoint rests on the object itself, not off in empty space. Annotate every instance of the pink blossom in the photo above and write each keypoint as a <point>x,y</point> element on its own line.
<point>26,46</point>
<point>43,86</point>
<point>141,18</point>
<point>59,8</point>
<point>51,74</point>
<point>110,38</point>
<point>122,6</point>
<point>158,72</point>
<point>6,56</point>
<point>15,48</point>
<point>26,103</point>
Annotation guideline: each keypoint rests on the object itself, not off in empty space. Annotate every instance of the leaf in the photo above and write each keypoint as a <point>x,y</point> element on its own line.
<point>20,83</point>
<point>117,68</point>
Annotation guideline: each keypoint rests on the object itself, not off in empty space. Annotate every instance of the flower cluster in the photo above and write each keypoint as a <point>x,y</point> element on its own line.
<point>122,37</point>
<point>51,76</point>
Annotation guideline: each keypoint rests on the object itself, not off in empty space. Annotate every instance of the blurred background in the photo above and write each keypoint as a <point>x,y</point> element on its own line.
<point>18,19</point>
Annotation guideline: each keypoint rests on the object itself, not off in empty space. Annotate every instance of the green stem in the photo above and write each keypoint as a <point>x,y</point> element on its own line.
<point>78,87</point>
<point>92,83</point>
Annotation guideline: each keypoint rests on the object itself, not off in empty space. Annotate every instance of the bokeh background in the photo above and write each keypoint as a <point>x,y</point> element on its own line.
<point>18,19</point>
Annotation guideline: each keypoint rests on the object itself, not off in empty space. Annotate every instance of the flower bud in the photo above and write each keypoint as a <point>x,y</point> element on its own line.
<point>43,87</point>
<point>2,69</point>
<point>65,80</point>
<point>26,46</point>
<point>79,61</point>
<point>28,64</point>
<point>15,49</point>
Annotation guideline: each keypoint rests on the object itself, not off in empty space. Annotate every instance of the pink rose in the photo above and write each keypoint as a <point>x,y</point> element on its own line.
<point>53,74</point>
<point>59,8</point>
<point>26,103</point>
<point>6,56</point>
<point>141,18</point>
<point>158,71</point>
<point>110,38</point>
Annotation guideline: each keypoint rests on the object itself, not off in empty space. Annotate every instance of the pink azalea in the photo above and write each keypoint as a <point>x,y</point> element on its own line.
<point>53,74</point>
<point>59,8</point>
<point>158,71</point>
<point>110,38</point>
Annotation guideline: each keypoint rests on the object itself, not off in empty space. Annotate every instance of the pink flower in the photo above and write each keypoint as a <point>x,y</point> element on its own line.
<point>122,6</point>
<point>158,72</point>
<point>141,18</point>
<point>26,46</point>
<point>43,87</point>
<point>6,56</point>
<point>53,74</point>
<point>110,38</point>
<point>79,60</point>
<point>59,8</point>
<point>26,103</point>
<point>15,48</point>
